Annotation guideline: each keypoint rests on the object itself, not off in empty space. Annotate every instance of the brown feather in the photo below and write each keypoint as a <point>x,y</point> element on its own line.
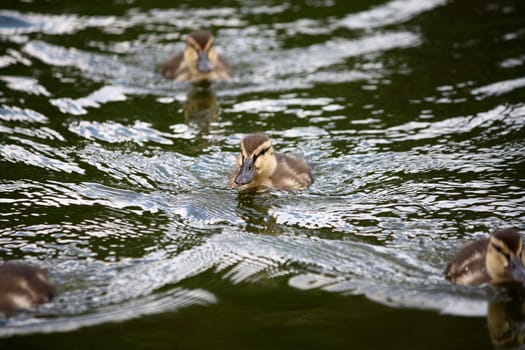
<point>291,169</point>
<point>251,142</point>
<point>170,69</point>
<point>510,237</point>
<point>469,259</point>
<point>201,37</point>
<point>223,70</point>
<point>26,283</point>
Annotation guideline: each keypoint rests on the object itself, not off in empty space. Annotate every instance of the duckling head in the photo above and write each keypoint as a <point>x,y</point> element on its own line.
<point>505,257</point>
<point>200,55</point>
<point>257,160</point>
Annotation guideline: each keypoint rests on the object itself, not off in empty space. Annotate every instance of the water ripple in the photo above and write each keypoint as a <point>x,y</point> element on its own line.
<point>39,155</point>
<point>25,84</point>
<point>113,132</point>
<point>12,22</point>
<point>500,119</point>
<point>308,263</point>
<point>500,88</point>
<point>393,12</point>
<point>94,100</point>
<point>175,299</point>
<point>123,78</point>
<point>312,58</point>
<point>145,171</point>
<point>10,113</point>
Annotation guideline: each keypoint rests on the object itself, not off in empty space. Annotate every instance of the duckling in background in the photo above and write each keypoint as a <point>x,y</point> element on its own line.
<point>23,286</point>
<point>199,63</point>
<point>259,166</point>
<point>497,259</point>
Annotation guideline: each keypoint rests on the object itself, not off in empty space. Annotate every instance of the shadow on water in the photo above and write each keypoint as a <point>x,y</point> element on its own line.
<point>506,323</point>
<point>255,211</point>
<point>201,108</point>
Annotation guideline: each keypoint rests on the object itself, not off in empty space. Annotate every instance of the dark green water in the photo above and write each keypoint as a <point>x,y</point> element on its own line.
<point>411,114</point>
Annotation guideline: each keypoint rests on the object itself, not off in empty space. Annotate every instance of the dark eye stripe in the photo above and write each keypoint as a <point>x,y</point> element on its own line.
<point>499,250</point>
<point>260,153</point>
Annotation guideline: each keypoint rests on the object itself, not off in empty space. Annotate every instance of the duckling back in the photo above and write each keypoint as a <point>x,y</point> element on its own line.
<point>23,286</point>
<point>467,267</point>
<point>291,173</point>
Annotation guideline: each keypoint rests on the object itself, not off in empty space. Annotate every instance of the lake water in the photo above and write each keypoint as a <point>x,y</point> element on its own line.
<point>410,112</point>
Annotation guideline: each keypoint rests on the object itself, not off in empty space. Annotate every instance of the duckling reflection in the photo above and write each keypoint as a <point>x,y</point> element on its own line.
<point>260,167</point>
<point>498,259</point>
<point>506,323</point>
<point>201,107</point>
<point>23,286</point>
<point>199,62</point>
<point>255,212</point>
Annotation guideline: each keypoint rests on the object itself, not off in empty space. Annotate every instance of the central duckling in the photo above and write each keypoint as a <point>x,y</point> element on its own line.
<point>259,166</point>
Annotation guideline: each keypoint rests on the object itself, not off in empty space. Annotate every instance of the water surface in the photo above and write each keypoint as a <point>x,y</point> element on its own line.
<point>411,114</point>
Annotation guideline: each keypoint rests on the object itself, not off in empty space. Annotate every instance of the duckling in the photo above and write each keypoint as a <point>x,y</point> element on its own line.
<point>199,62</point>
<point>259,166</point>
<point>497,259</point>
<point>23,286</point>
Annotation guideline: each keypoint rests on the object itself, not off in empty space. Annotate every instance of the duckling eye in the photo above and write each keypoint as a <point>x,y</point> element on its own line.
<point>500,251</point>
<point>194,48</point>
<point>263,152</point>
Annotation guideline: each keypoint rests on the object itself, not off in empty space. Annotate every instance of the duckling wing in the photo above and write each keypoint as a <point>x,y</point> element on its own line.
<point>467,267</point>
<point>223,69</point>
<point>172,67</point>
<point>291,173</point>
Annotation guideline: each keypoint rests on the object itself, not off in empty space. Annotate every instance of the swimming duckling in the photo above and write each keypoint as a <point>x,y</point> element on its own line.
<point>497,259</point>
<point>199,62</point>
<point>23,286</point>
<point>259,165</point>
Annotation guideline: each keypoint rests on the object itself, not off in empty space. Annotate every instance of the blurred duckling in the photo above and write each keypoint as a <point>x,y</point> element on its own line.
<point>199,63</point>
<point>23,287</point>
<point>259,166</point>
<point>497,259</point>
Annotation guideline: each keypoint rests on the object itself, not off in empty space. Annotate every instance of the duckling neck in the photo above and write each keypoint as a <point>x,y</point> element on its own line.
<point>496,277</point>
<point>268,168</point>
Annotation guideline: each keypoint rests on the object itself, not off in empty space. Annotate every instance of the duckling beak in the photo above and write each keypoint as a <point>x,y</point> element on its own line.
<point>203,63</point>
<point>517,270</point>
<point>247,172</point>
